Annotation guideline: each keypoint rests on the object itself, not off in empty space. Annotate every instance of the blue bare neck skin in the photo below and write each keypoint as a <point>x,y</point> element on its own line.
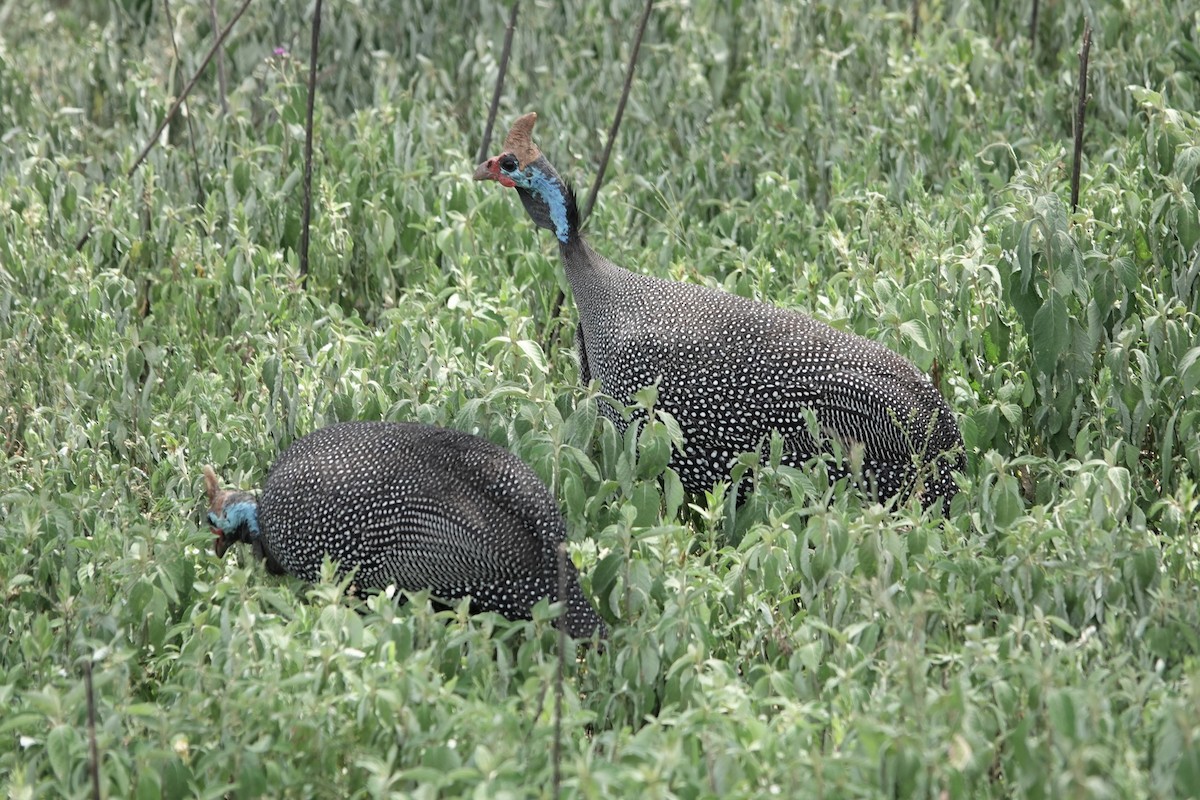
<point>550,192</point>
<point>239,513</point>
<point>546,199</point>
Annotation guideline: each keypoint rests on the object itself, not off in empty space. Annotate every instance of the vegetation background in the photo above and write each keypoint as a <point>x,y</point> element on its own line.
<point>1042,641</point>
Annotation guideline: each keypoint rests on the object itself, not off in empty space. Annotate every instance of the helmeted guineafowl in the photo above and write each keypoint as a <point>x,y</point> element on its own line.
<point>732,370</point>
<point>413,505</point>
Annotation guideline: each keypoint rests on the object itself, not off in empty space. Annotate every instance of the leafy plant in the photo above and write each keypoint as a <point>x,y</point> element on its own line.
<point>1040,640</point>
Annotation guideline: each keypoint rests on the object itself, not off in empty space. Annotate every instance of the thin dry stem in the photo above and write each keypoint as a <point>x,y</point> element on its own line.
<point>1079,115</point>
<point>222,84</point>
<point>558,678</point>
<point>174,109</point>
<point>616,124</point>
<point>93,748</point>
<point>556,306</point>
<point>306,212</point>
<point>504,56</point>
<point>187,116</point>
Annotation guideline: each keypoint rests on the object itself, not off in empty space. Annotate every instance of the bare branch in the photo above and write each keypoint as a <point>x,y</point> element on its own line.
<point>306,211</point>
<point>495,107</point>
<point>174,109</point>
<point>556,755</point>
<point>93,748</point>
<point>191,126</point>
<point>616,125</point>
<point>222,85</point>
<point>1079,110</point>
<point>556,306</point>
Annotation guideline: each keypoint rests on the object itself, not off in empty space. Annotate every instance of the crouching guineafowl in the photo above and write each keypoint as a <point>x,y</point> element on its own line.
<point>732,370</point>
<point>413,505</point>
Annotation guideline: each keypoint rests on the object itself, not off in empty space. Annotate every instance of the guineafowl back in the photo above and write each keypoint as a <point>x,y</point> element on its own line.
<point>420,507</point>
<point>733,370</point>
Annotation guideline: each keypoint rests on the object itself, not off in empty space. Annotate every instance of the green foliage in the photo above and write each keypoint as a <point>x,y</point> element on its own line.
<point>1040,641</point>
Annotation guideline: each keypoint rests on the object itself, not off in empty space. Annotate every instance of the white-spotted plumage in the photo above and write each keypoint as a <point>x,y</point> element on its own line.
<point>420,507</point>
<point>733,371</point>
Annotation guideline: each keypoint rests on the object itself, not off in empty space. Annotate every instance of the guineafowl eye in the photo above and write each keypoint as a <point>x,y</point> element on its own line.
<point>508,162</point>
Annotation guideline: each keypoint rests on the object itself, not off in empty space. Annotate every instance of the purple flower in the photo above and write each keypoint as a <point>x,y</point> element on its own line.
<point>281,52</point>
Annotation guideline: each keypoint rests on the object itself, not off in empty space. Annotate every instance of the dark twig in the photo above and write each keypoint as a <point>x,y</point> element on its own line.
<point>306,212</point>
<point>608,146</point>
<point>495,107</point>
<point>916,18</point>
<point>616,124</point>
<point>1079,109</point>
<point>93,749</point>
<point>174,109</point>
<point>190,125</point>
<point>187,90</point>
<point>222,85</point>
<point>1033,21</point>
<point>556,755</point>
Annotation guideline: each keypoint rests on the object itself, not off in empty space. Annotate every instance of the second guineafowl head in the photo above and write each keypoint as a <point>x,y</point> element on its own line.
<point>732,370</point>
<point>410,505</point>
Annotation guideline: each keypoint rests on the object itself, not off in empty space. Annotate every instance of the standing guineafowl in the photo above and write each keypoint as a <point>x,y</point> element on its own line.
<point>413,505</point>
<point>732,370</point>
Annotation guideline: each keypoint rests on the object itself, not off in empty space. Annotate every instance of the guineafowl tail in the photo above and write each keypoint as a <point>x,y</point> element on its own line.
<point>581,619</point>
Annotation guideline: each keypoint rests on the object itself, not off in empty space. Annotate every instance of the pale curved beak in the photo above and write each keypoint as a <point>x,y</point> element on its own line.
<point>220,543</point>
<point>487,171</point>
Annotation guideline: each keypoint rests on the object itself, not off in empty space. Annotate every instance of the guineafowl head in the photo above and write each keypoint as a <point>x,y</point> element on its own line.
<point>232,514</point>
<point>548,200</point>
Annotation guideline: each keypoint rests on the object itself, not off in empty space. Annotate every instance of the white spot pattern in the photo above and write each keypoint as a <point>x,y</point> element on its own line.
<point>424,508</point>
<point>732,370</point>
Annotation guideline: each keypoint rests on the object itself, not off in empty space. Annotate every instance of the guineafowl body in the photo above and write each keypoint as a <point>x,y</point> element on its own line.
<point>413,505</point>
<point>733,370</point>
